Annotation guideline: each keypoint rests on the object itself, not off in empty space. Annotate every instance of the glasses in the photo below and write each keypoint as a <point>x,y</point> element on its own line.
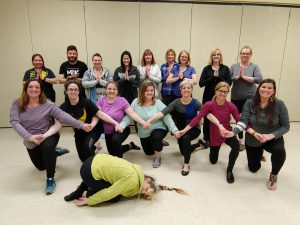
<point>72,89</point>
<point>223,92</point>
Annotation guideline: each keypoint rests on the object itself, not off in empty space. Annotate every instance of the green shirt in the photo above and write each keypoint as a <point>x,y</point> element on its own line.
<point>126,178</point>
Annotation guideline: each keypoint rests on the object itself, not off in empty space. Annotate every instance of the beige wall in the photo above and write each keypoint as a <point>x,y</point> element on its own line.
<point>48,26</point>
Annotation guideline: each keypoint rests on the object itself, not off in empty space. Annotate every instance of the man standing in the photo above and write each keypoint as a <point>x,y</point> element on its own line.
<point>73,68</point>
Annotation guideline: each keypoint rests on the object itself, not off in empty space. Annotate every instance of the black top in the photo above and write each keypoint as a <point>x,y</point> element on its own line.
<point>77,69</point>
<point>128,88</point>
<point>209,81</point>
<point>83,111</point>
<point>46,73</point>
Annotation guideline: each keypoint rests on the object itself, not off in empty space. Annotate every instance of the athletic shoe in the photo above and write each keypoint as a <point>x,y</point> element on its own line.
<point>156,162</point>
<point>50,186</point>
<point>61,151</point>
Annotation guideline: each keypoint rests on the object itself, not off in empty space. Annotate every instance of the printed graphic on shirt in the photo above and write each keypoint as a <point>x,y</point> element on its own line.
<point>73,72</point>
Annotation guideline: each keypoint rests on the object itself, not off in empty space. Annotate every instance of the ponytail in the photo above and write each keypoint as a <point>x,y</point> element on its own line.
<point>166,188</point>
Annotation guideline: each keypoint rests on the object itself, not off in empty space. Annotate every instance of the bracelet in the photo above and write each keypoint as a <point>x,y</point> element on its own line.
<point>254,132</point>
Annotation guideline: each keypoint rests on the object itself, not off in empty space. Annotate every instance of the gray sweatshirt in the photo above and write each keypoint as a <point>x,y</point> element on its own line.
<point>242,89</point>
<point>38,120</point>
<point>280,125</point>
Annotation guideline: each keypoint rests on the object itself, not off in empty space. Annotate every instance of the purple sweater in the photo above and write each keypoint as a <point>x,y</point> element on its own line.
<point>38,120</point>
<point>222,113</point>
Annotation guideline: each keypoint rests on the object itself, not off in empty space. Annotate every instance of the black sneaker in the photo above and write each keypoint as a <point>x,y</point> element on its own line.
<point>230,177</point>
<point>61,151</point>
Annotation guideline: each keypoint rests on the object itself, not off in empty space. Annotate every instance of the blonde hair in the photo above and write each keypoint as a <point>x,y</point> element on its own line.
<point>214,51</point>
<point>246,47</point>
<point>220,85</point>
<point>149,194</point>
<point>189,58</point>
<point>167,53</point>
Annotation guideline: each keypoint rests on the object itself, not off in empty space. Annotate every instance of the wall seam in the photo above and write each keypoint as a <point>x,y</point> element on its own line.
<point>284,49</point>
<point>239,42</point>
<point>139,32</point>
<point>29,24</point>
<point>86,42</point>
<point>191,28</point>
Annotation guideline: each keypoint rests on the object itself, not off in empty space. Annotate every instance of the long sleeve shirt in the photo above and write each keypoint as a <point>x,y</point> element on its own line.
<point>279,126</point>
<point>146,112</point>
<point>126,178</point>
<point>242,89</point>
<point>209,81</point>
<point>154,76</point>
<point>38,120</point>
<point>222,113</point>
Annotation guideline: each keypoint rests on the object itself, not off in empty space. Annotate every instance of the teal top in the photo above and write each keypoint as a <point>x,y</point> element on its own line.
<point>146,112</point>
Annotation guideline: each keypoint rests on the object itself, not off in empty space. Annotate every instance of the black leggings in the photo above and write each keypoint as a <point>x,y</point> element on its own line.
<point>43,156</point>
<point>114,143</point>
<point>206,129</point>
<point>239,105</point>
<point>90,184</point>
<point>185,146</point>
<point>85,143</point>
<point>154,141</point>
<point>275,147</point>
<point>234,153</point>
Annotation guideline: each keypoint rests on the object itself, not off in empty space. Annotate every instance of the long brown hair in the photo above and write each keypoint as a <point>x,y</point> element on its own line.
<point>147,52</point>
<point>149,195</point>
<point>270,108</point>
<point>24,98</point>
<point>142,93</point>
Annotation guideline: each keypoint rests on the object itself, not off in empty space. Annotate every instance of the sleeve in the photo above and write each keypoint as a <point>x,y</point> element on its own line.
<point>100,102</point>
<point>193,70</point>
<point>117,78</point>
<point>121,186</point>
<point>170,123</point>
<point>26,76</point>
<point>155,77</point>
<point>86,82</point>
<point>284,120</point>
<point>257,74</point>
<point>198,105</point>
<point>233,73</point>
<point>142,73</point>
<point>105,78</point>
<point>64,117</point>
<point>169,108</point>
<point>127,120</point>
<point>135,78</point>
<point>245,118</point>
<point>62,69</point>
<point>50,74</point>
<point>125,103</point>
<point>204,78</point>
<point>15,121</point>
<point>227,77</point>
<point>203,112</point>
<point>91,107</point>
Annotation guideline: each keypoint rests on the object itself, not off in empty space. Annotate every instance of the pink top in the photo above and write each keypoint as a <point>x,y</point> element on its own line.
<point>222,113</point>
<point>115,110</point>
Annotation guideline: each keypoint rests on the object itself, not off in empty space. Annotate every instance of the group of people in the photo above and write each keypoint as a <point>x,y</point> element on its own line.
<point>97,102</point>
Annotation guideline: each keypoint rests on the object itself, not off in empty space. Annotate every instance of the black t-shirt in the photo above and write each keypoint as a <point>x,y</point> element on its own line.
<point>83,111</point>
<point>46,73</point>
<point>77,69</point>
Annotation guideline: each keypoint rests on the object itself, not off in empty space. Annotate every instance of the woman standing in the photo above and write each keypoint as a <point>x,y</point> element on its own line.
<point>184,110</point>
<point>86,111</point>
<point>45,75</point>
<point>245,75</point>
<point>212,74</point>
<point>269,120</point>
<point>95,79</point>
<point>167,94</point>
<point>128,78</point>
<point>151,137</point>
<point>222,110</point>
<point>32,117</point>
<point>183,72</point>
<point>149,70</point>
<point>117,107</point>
